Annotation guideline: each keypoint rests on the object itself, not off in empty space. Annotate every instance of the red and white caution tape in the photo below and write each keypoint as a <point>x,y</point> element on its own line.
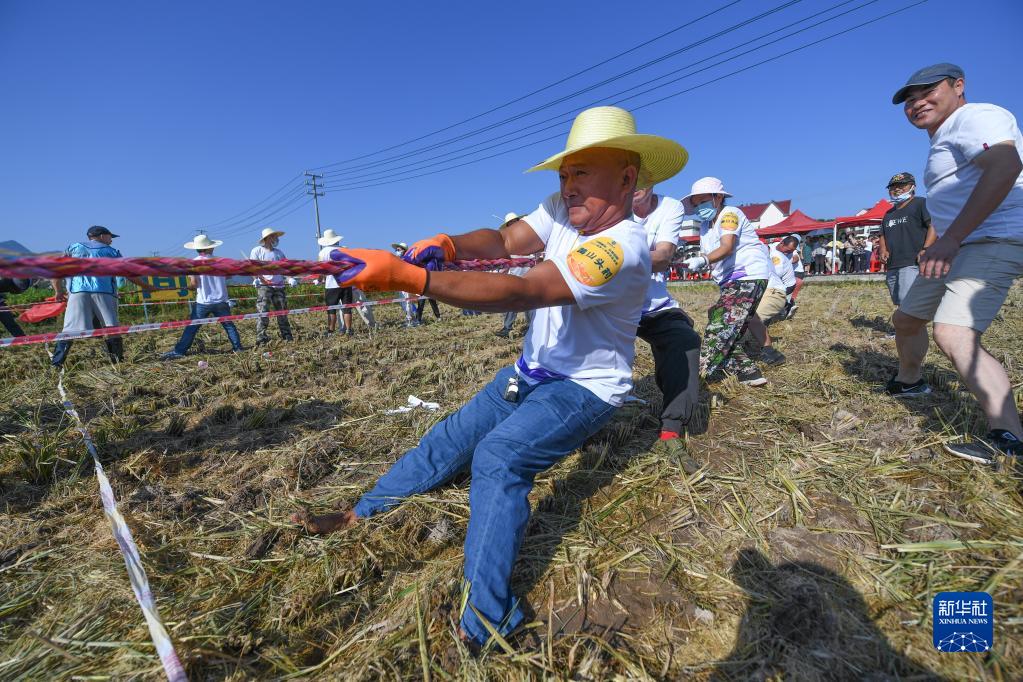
<point>178,324</point>
<point>129,550</point>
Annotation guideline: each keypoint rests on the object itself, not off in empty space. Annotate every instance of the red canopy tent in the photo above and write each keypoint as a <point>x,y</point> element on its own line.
<point>873,216</point>
<point>796,223</point>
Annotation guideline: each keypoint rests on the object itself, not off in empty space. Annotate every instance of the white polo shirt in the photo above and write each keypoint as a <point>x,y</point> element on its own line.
<point>329,282</point>
<point>593,342</point>
<point>782,263</point>
<point>748,260</point>
<point>951,176</point>
<point>260,252</point>
<point>664,224</point>
<point>211,289</point>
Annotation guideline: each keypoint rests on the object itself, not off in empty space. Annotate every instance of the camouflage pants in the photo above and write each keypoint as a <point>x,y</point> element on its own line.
<point>271,298</point>
<point>726,324</point>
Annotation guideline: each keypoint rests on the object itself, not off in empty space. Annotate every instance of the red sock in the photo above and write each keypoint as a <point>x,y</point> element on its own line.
<point>668,435</point>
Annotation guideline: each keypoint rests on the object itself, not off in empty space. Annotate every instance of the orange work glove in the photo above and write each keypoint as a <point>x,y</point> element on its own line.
<point>431,253</point>
<point>375,270</point>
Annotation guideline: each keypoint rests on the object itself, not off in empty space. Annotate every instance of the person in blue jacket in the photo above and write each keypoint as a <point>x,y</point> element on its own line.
<point>91,301</point>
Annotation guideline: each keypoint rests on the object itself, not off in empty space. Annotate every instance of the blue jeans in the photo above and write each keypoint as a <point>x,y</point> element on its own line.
<point>506,444</point>
<point>202,310</point>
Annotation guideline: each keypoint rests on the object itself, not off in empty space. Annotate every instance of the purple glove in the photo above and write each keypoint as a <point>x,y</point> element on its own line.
<point>357,265</point>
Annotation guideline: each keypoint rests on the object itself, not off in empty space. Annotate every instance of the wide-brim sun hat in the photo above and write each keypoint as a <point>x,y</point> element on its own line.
<point>511,218</point>
<point>615,128</point>
<point>707,185</point>
<point>402,246</point>
<point>329,238</point>
<point>270,232</point>
<point>202,242</point>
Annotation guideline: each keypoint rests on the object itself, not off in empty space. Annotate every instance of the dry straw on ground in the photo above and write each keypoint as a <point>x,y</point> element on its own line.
<point>808,546</point>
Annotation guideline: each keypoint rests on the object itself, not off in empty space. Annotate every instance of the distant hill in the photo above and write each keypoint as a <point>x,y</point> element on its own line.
<point>12,249</point>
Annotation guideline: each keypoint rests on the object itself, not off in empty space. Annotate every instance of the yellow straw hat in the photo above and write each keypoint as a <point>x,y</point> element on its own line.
<point>614,127</point>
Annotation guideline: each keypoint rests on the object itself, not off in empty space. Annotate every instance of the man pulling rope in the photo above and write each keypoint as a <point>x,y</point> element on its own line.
<point>576,366</point>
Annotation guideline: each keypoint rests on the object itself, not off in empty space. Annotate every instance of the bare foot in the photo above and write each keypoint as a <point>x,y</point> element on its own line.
<point>324,524</point>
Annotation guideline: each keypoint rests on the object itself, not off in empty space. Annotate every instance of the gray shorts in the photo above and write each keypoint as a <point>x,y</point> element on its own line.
<point>974,289</point>
<point>83,308</point>
<point>900,280</point>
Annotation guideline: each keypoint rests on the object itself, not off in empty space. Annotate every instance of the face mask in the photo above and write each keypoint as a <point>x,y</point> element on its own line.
<point>706,210</point>
<point>899,198</point>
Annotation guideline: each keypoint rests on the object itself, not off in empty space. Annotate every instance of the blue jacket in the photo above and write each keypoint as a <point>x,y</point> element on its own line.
<point>88,283</point>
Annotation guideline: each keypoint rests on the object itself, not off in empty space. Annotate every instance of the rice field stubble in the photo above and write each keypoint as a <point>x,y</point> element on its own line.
<point>808,545</point>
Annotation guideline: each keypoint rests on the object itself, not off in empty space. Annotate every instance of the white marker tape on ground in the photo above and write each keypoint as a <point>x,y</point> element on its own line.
<point>139,583</point>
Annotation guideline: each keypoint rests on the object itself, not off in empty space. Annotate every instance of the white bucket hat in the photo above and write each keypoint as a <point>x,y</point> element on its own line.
<point>270,232</point>
<point>329,238</point>
<point>706,185</point>
<point>614,127</point>
<point>203,242</point>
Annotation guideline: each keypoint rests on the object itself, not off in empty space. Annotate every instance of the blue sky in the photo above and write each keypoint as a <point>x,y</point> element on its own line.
<point>159,118</point>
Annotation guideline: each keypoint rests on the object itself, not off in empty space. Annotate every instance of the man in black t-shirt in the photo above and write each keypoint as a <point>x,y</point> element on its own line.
<point>905,232</point>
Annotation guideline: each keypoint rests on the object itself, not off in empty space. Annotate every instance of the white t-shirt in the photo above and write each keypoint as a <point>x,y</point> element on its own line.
<point>593,342</point>
<point>951,175</point>
<point>260,252</point>
<point>212,289</point>
<point>749,258</point>
<point>329,282</point>
<point>797,264</point>
<point>782,263</point>
<point>662,225</point>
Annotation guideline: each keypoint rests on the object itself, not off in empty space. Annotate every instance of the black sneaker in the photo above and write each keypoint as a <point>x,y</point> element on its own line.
<point>997,442</point>
<point>504,333</point>
<point>751,377</point>
<point>770,356</point>
<point>899,389</point>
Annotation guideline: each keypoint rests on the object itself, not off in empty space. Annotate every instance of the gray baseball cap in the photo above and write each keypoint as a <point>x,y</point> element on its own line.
<point>927,76</point>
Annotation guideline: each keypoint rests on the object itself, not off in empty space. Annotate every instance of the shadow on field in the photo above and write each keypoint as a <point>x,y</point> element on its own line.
<point>805,622</point>
<point>877,323</point>
<point>876,368</point>
<point>243,427</point>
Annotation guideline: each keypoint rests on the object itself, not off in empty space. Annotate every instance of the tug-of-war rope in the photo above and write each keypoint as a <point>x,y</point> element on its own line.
<point>56,267</point>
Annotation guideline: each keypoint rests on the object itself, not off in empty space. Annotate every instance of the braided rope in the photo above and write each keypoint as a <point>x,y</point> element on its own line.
<point>54,267</point>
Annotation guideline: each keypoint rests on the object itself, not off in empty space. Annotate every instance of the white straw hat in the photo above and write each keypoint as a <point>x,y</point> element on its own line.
<point>203,242</point>
<point>510,218</point>
<point>614,127</point>
<point>329,238</point>
<point>706,185</point>
<point>270,232</point>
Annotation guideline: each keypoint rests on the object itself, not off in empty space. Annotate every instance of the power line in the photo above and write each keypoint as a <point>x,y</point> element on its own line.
<point>272,194</point>
<point>265,214</point>
<point>541,107</point>
<point>565,117</point>
<point>659,100</point>
<point>253,213</point>
<point>538,90</point>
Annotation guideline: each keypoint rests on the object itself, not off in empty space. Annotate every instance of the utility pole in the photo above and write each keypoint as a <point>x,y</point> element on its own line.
<point>311,183</point>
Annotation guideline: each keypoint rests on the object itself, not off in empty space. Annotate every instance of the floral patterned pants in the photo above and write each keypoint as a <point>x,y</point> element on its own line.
<point>726,324</point>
